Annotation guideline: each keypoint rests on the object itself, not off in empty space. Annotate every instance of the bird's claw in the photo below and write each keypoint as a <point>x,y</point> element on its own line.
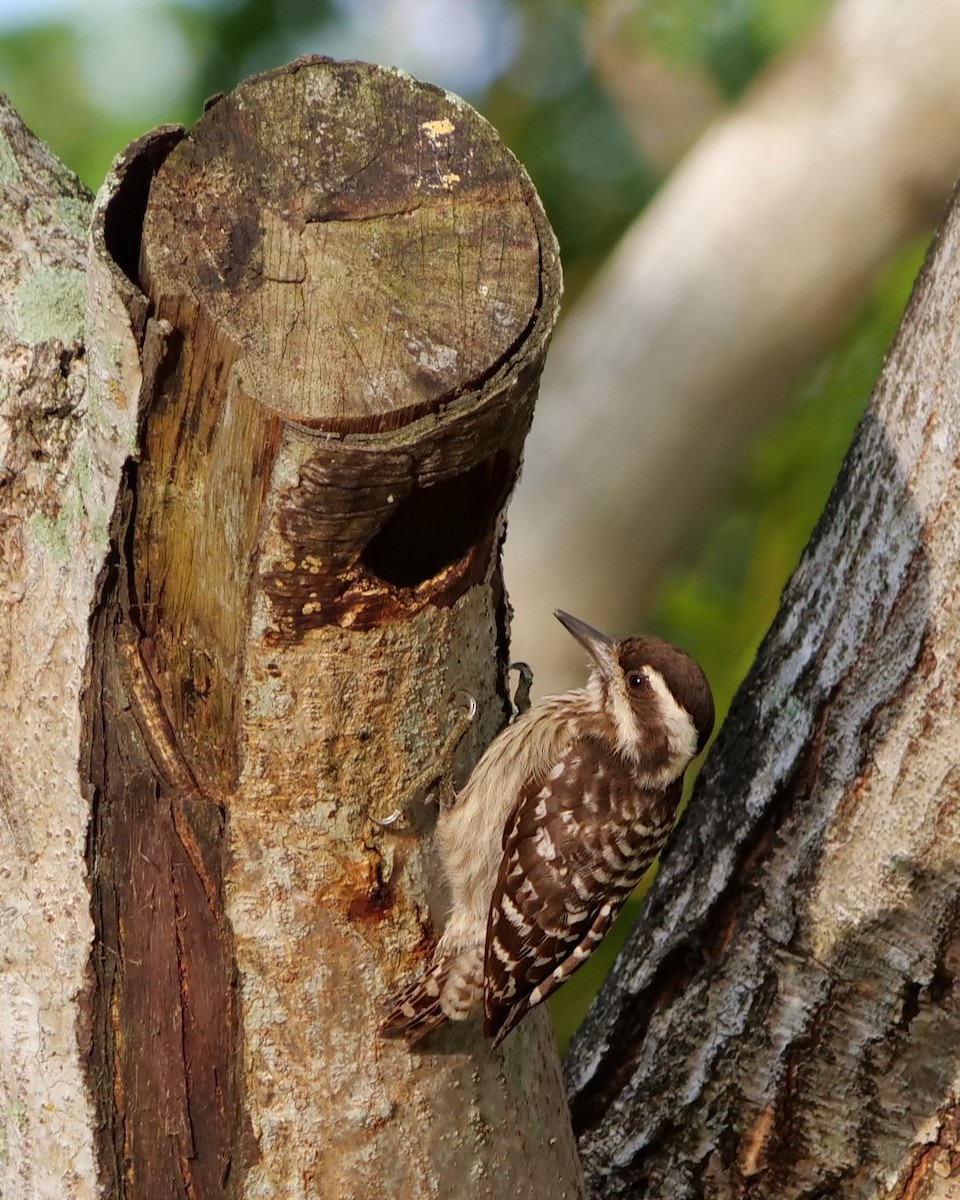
<point>387,821</point>
<point>521,697</point>
<point>440,768</point>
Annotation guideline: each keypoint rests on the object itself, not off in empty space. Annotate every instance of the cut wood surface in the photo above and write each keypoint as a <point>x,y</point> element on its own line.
<point>351,286</point>
<point>785,1019</point>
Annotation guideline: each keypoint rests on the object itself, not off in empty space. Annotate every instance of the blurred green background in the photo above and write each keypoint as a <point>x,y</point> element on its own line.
<point>90,75</point>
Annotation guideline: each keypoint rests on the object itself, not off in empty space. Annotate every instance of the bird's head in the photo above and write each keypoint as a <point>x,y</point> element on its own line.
<point>652,697</point>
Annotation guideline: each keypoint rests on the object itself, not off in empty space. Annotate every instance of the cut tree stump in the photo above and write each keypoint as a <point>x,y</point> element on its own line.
<point>339,288</point>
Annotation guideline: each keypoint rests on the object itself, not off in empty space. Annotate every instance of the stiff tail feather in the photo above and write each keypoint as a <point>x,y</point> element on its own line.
<point>450,991</point>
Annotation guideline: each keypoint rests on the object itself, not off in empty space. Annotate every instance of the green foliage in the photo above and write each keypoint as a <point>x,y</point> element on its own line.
<point>62,115</point>
<point>582,160</point>
<point>45,71</point>
<point>549,103</point>
<point>733,39</point>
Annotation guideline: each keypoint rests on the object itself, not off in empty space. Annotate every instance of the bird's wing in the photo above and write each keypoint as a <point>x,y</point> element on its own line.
<point>576,846</point>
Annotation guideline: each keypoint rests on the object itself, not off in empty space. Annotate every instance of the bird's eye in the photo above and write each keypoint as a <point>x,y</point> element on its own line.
<point>637,681</point>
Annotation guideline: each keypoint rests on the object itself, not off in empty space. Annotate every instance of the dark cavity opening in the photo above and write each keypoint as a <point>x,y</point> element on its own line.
<point>437,525</point>
<point>123,220</point>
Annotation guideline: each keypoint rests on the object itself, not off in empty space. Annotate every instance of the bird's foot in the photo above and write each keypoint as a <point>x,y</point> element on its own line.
<point>521,697</point>
<point>438,777</point>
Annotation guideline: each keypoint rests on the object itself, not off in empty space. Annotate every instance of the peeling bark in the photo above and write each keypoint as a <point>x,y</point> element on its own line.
<point>785,1019</point>
<point>223,647</point>
<point>252,508</point>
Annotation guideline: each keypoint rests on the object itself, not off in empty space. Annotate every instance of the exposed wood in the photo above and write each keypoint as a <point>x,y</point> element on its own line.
<point>351,286</point>
<point>739,275</point>
<point>785,1021</point>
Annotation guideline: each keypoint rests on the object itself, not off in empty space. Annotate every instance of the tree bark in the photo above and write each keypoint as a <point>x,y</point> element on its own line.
<point>316,324</point>
<point>739,275</point>
<point>57,453</point>
<point>785,1019</point>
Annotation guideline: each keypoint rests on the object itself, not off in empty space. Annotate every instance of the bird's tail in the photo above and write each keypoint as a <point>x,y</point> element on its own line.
<point>450,991</point>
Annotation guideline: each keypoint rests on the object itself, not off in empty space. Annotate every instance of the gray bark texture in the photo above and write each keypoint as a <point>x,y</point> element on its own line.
<point>252,513</point>
<point>785,1019</point>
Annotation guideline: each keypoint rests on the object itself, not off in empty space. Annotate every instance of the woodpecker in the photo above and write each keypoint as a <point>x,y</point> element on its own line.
<point>559,820</point>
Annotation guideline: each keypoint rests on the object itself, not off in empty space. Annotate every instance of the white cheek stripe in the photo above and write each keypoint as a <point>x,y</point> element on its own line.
<point>681,731</point>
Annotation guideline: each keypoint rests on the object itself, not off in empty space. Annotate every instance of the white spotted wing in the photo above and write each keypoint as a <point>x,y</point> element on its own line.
<point>576,845</point>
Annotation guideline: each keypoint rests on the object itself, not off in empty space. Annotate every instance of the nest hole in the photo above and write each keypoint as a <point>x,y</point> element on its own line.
<point>437,525</point>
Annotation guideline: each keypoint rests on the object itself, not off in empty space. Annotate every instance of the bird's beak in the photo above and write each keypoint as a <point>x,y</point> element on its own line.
<point>598,645</point>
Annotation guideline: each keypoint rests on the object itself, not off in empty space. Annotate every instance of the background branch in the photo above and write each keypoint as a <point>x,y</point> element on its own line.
<point>739,274</point>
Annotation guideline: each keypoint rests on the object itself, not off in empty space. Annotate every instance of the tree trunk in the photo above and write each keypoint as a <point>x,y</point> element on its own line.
<point>317,322</point>
<point>785,1019</point>
<point>58,466</point>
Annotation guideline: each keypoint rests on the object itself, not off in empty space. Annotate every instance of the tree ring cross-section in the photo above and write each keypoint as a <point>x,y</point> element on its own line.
<point>370,259</point>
